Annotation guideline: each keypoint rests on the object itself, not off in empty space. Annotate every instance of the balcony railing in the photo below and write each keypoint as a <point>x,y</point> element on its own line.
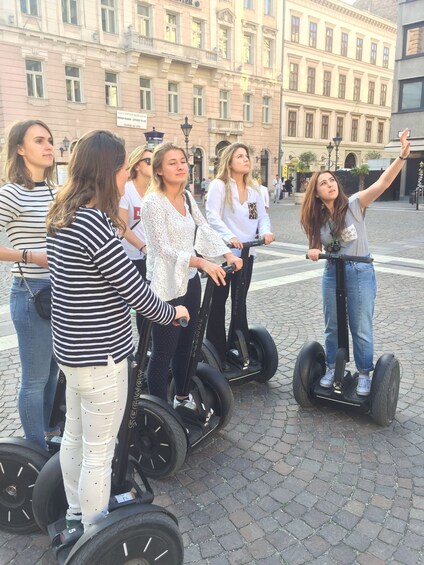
<point>230,127</point>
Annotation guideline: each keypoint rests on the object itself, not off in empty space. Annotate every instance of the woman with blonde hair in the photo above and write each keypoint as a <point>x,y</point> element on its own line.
<point>236,210</point>
<point>175,230</point>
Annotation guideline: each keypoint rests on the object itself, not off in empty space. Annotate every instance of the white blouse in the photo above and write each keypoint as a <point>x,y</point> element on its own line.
<point>170,243</point>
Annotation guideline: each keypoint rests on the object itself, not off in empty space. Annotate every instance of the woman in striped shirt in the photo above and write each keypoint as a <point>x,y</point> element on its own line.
<point>24,201</point>
<point>93,284</point>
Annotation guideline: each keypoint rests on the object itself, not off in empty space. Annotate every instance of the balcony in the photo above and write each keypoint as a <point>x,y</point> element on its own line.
<point>225,127</point>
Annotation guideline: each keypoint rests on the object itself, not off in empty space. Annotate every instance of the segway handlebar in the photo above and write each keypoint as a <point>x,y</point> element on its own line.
<point>183,322</point>
<point>227,268</point>
<point>352,258</point>
<point>254,243</point>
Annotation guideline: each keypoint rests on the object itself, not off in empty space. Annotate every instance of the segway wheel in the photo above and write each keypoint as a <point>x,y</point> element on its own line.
<point>160,445</point>
<point>219,395</point>
<point>209,355</point>
<point>309,367</point>
<point>49,500</point>
<point>19,469</point>
<point>145,538</point>
<point>264,351</point>
<point>385,390</point>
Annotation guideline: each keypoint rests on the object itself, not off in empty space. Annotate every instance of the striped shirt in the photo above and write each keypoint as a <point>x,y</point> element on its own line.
<point>93,282</point>
<point>23,217</point>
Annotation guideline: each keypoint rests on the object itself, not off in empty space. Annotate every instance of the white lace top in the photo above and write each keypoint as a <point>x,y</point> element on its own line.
<point>170,244</point>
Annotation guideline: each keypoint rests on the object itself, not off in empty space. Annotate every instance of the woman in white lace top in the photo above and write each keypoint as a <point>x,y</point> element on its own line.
<point>175,231</point>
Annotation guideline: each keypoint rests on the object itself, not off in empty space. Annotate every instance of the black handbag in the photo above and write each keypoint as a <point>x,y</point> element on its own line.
<point>42,299</point>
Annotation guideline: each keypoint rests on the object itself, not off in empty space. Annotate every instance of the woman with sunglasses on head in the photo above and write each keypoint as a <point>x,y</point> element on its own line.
<point>175,230</point>
<point>336,223</point>
<point>24,202</point>
<point>134,240</point>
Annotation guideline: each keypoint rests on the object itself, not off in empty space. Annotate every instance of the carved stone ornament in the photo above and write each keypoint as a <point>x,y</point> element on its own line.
<point>226,16</point>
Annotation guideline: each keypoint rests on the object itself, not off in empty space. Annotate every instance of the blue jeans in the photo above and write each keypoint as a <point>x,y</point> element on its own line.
<point>361,291</point>
<point>39,369</point>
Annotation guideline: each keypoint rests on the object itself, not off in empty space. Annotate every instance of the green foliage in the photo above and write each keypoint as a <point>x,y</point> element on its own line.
<point>305,160</point>
<point>361,173</point>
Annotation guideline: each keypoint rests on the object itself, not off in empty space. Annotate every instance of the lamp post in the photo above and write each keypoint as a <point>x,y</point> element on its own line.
<point>330,148</point>
<point>420,186</point>
<point>153,138</point>
<point>337,140</point>
<point>186,129</point>
<point>65,146</point>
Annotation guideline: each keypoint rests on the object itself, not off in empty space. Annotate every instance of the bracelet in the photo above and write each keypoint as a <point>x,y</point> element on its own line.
<point>24,256</point>
<point>142,247</point>
<point>403,158</point>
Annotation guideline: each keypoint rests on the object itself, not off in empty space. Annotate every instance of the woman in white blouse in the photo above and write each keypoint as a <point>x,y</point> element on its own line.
<point>174,233</point>
<point>236,210</point>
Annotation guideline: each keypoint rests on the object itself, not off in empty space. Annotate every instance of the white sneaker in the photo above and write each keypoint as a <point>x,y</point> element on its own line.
<point>328,379</point>
<point>186,403</point>
<point>364,385</point>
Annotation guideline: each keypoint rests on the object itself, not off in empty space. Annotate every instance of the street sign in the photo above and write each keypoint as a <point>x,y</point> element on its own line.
<point>131,120</point>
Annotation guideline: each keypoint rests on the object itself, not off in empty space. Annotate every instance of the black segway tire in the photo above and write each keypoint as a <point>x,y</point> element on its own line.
<point>209,355</point>
<point>218,391</point>
<point>49,502</point>
<point>385,389</point>
<point>309,367</point>
<point>148,538</point>
<point>160,444</point>
<point>265,351</point>
<point>19,469</point>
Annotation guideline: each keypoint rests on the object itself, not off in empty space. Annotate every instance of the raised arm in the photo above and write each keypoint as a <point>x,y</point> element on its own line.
<point>367,196</point>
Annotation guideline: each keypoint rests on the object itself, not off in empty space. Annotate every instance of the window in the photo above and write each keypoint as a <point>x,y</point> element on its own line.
<point>108,15</point>
<point>73,84</point>
<point>145,94</point>
<point>224,99</point>
<point>224,42</point>
<point>34,76</point>
<point>414,40</point>
<point>247,48</point>
<point>344,44</point>
<point>368,131</point>
<point>412,95</point>
<point>386,54</point>
<point>354,132</point>
<point>291,124</point>
<point>309,125</point>
<point>342,86</point>
<point>340,124</point>
<point>383,94</point>
<point>197,34</point>
<point>248,4</point>
<point>173,105</point>
<point>111,89</point>
<point>310,85</point>
<point>373,55</point>
<point>266,109</point>
<point>293,76</point>
<point>268,7</point>
<point>356,89</point>
<point>327,83</point>
<point>144,20</point>
<point>171,27</point>
<point>268,52</point>
<point>295,25</point>
<point>30,7</point>
<point>325,120</point>
<point>371,92</point>
<point>380,132</point>
<point>312,34</point>
<point>329,39</point>
<point>359,48</point>
<point>197,101</point>
<point>247,107</point>
<point>70,12</point>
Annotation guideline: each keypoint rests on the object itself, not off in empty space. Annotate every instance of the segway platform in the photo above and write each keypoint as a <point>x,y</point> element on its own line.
<point>344,394</point>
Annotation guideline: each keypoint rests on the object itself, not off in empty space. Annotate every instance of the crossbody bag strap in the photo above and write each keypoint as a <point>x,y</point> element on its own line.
<point>187,198</point>
<point>25,281</point>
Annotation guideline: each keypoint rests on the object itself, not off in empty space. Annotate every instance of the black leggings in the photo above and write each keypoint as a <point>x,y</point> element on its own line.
<point>215,332</point>
<point>172,346</point>
<point>140,265</point>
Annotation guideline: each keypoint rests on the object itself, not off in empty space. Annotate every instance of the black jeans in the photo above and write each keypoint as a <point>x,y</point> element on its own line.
<point>172,346</point>
<point>215,331</point>
<point>140,265</point>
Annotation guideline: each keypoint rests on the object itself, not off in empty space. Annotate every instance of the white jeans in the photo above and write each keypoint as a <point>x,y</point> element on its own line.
<point>95,403</point>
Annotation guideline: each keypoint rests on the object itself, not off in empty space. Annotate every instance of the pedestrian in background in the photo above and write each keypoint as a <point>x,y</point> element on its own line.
<point>336,223</point>
<point>288,186</point>
<point>235,209</point>
<point>24,202</point>
<point>93,284</point>
<point>277,185</point>
<point>265,193</point>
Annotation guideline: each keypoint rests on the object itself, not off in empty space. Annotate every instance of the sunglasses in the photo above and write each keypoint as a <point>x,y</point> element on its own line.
<point>147,160</point>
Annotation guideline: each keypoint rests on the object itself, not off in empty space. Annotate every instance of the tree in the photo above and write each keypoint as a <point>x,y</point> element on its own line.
<point>361,173</point>
<point>305,160</point>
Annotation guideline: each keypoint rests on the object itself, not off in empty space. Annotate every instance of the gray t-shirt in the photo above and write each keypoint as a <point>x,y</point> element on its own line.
<point>353,239</point>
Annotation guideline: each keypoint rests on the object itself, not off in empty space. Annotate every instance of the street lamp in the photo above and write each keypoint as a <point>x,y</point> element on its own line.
<point>65,146</point>
<point>153,138</point>
<point>330,148</point>
<point>337,140</point>
<point>186,129</point>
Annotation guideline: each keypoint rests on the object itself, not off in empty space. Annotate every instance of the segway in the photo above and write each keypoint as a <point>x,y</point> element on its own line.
<point>21,461</point>
<point>164,435</point>
<point>135,530</point>
<point>311,366</point>
<point>249,357</point>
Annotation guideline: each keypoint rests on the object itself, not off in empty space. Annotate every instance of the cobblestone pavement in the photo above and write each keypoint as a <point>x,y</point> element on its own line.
<point>282,484</point>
